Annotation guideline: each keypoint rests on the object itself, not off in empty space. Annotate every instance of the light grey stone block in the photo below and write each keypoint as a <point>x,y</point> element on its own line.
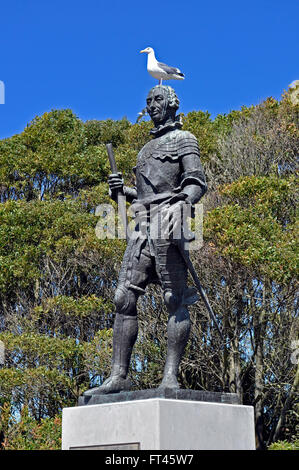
<point>159,424</point>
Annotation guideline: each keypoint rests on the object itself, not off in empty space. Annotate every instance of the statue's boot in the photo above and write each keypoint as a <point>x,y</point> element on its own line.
<point>178,330</point>
<point>124,336</point>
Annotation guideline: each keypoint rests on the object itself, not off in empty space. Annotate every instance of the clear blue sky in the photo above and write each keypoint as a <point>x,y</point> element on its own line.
<point>84,55</point>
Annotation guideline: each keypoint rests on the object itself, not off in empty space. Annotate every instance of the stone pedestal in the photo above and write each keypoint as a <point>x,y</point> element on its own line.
<point>159,423</point>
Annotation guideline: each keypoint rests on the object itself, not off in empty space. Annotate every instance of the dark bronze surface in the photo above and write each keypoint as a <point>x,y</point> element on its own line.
<point>178,394</point>
<point>169,174</point>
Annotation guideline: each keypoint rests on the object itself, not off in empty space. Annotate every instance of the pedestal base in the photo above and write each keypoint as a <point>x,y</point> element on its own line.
<point>176,394</point>
<point>159,424</point>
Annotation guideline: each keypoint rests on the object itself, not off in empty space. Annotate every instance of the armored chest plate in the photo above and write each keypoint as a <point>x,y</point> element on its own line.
<point>158,167</point>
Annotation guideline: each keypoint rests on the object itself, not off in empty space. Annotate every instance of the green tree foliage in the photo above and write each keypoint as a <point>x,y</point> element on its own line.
<point>284,445</point>
<point>57,278</point>
<point>27,433</point>
<point>258,225</point>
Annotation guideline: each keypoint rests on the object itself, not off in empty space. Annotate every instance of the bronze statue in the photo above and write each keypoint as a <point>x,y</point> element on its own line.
<point>168,174</point>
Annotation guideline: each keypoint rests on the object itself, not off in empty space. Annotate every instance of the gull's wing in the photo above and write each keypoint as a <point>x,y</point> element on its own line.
<point>170,70</point>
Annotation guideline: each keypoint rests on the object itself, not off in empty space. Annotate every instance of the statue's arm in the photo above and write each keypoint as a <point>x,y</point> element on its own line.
<point>193,182</point>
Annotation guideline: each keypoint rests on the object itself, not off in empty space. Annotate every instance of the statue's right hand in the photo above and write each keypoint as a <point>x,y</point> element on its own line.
<point>116,183</point>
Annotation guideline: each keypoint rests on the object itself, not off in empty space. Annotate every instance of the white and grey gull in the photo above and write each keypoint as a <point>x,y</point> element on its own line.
<point>159,70</point>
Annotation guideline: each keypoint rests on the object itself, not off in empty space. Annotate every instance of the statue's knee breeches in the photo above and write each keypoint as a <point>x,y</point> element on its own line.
<point>125,301</point>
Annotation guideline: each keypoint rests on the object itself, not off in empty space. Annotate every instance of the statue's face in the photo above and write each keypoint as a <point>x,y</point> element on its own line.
<point>157,105</point>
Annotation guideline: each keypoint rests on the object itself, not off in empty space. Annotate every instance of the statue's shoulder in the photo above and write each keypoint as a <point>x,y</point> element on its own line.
<point>186,142</point>
<point>147,146</point>
<point>185,135</point>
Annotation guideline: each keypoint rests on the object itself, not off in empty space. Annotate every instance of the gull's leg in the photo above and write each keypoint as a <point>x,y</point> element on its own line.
<point>160,81</point>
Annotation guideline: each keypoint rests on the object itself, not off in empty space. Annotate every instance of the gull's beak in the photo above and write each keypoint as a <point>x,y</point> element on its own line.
<point>142,51</point>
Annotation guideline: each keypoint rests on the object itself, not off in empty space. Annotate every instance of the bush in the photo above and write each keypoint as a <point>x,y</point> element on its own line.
<point>28,434</point>
<point>284,445</point>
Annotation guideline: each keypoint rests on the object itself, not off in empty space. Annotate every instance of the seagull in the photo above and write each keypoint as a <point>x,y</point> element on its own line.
<point>159,70</point>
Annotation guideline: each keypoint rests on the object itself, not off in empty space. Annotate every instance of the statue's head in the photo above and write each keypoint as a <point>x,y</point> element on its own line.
<point>162,104</point>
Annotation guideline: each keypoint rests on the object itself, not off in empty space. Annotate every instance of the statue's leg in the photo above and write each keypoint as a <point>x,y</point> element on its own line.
<point>134,274</point>
<point>125,332</point>
<point>178,330</point>
<point>173,276</point>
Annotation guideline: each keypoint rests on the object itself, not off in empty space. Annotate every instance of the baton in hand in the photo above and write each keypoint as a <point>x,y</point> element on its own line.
<point>119,195</point>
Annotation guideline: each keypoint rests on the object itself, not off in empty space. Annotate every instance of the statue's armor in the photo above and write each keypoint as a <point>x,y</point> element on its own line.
<point>166,164</point>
